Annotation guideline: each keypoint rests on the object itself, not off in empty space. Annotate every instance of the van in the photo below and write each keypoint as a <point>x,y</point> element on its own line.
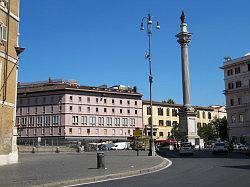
<point>120,146</point>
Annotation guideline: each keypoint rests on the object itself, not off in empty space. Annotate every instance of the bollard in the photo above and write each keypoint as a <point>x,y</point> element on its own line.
<point>33,150</point>
<point>100,160</point>
<point>57,150</point>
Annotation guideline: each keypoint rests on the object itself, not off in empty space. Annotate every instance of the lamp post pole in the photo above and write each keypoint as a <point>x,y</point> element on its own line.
<point>149,22</point>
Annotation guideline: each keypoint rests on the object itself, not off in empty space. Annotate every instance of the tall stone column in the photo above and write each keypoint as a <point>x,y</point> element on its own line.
<point>187,115</point>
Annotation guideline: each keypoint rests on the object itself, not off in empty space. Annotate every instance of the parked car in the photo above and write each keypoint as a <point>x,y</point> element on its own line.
<point>220,147</point>
<point>246,148</point>
<point>209,144</point>
<point>186,148</point>
<point>106,147</point>
<point>120,146</point>
<point>238,146</point>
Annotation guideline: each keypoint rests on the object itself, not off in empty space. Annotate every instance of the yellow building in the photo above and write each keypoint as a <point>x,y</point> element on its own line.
<point>9,50</point>
<point>165,116</point>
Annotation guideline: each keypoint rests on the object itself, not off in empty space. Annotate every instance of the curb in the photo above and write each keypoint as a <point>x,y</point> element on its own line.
<point>165,164</point>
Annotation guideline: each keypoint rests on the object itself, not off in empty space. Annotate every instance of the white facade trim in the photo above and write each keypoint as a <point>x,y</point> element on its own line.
<point>11,14</point>
<point>10,58</point>
<point>7,104</point>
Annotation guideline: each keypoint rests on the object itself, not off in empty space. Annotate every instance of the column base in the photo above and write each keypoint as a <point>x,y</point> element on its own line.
<point>11,158</point>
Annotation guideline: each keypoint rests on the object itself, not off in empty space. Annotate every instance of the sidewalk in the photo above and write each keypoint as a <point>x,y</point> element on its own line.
<point>61,169</point>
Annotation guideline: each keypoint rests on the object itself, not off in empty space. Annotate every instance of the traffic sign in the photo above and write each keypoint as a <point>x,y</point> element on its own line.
<point>137,133</point>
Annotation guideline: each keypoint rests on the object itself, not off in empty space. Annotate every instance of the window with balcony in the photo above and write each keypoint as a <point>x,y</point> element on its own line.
<point>109,121</point>
<point>84,120</point>
<point>117,121</point>
<point>101,121</point>
<point>125,121</point>
<point>74,120</point>
<point>229,72</point>
<point>230,85</point>
<point>132,122</point>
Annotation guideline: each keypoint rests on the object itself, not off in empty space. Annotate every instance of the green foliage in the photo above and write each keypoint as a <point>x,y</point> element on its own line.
<point>217,128</point>
<point>175,133</point>
<point>169,101</point>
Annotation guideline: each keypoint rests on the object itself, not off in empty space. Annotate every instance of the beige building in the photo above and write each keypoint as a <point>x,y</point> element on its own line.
<point>9,26</point>
<point>165,116</point>
<point>237,92</point>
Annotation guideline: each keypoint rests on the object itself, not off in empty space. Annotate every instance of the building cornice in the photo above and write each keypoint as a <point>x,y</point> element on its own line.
<point>11,13</point>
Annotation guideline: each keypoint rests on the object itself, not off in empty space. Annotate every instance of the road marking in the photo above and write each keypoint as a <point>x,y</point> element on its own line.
<point>117,178</point>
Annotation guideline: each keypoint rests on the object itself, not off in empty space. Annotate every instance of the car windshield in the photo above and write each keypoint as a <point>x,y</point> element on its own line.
<point>185,145</point>
<point>219,144</point>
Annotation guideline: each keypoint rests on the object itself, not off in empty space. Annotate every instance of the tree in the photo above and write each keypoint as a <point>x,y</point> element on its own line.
<point>217,128</point>
<point>169,101</point>
<point>175,133</point>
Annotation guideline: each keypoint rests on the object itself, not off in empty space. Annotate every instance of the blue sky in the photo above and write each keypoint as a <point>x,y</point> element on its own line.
<point>99,42</point>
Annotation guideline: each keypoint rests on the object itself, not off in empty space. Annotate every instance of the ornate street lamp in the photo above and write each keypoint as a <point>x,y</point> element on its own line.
<point>148,21</point>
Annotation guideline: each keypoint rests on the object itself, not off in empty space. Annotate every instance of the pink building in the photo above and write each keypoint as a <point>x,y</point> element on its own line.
<point>66,110</point>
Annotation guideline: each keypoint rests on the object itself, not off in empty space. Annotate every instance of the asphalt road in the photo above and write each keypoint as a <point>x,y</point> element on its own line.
<point>203,169</point>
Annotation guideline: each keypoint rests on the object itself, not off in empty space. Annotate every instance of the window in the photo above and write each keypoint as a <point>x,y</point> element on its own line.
<point>101,121</point>
<point>121,132</point>
<point>174,112</point>
<point>3,32</point>
<point>47,120</point>
<point>237,70</point>
<point>97,131</point>
<point>109,121</point>
<point>70,130</point>
<point>105,110</point>
<point>79,99</point>
<point>128,102</point>
<point>198,114</point>
<point>55,119</point>
<point>135,102</point>
<point>105,132</point>
<point>241,118</point>
<point>198,125</point>
<point>88,99</point>
<point>105,101</point>
<point>88,109</point>
<point>3,3</point>
<point>248,67</point>
<point>125,121</point>
<point>120,111</point>
<point>84,120</point>
<point>43,131</point>
<point>209,115</point>
<point>174,123</point>
<point>59,130</point>
<point>70,108</point>
<point>96,109</point>
<point>167,111</point>
<point>231,102</point>
<point>160,111</point>
<point>39,120</point>
<point>36,110</point>
<point>113,110</point>
<point>113,131</point>
<point>168,134</point>
<point>43,109</point>
<point>34,131</point>
<point>96,100</point>
<point>135,111</point>
<point>52,99</point>
<point>230,85</point>
<point>120,102</point>
<point>203,115</point>
<point>92,120</point>
<point>168,123</point>
<point>113,101</point>
<point>79,109</point>
<point>31,120</point>
<point>117,121</point>
<point>132,122</point>
<point>129,132</point>
<point>51,130</point>
<point>79,131</point>
<point>148,110</point>
<point>233,119</point>
<point>161,122</point>
<point>75,120</point>
<point>88,131</point>
<point>128,111</point>
<point>161,134</point>
<point>239,101</point>
<point>28,110</point>
<point>60,108</point>
<point>229,72</point>
<point>71,98</point>
<point>238,84</point>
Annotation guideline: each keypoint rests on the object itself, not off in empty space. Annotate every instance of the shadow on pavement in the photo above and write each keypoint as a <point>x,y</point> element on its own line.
<point>239,167</point>
<point>201,154</point>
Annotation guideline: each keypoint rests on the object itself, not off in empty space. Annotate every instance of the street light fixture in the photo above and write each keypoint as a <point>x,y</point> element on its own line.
<point>148,21</point>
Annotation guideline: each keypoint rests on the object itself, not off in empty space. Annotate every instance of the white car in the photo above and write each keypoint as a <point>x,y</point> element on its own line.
<point>220,147</point>
<point>186,148</point>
